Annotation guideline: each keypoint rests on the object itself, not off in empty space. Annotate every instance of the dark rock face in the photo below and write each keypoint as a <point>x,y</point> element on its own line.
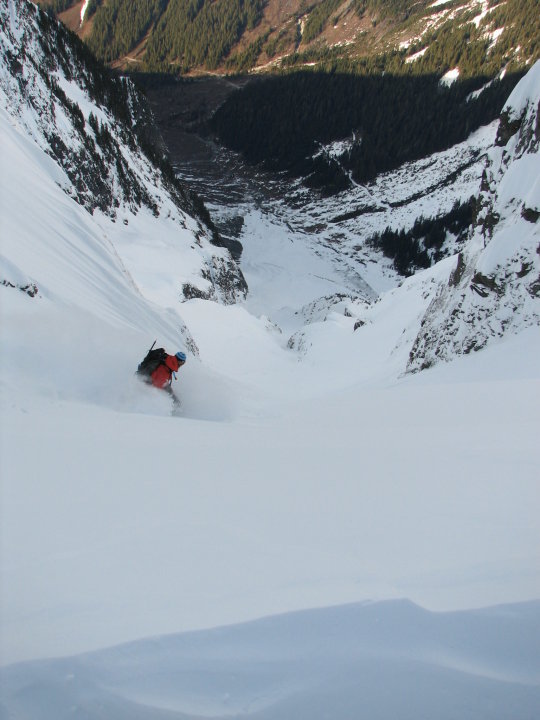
<point>530,215</point>
<point>507,129</point>
<point>31,289</point>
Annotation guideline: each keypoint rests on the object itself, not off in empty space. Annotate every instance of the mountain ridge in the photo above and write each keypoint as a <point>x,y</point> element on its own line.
<point>495,285</point>
<point>99,131</point>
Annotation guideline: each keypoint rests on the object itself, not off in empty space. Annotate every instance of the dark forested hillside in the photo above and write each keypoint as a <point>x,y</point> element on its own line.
<point>119,26</point>
<point>424,244</point>
<point>365,70</point>
<point>184,33</point>
<point>478,36</point>
<point>282,120</point>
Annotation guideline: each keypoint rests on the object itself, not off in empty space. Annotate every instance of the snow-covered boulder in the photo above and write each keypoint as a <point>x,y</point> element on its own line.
<point>495,286</point>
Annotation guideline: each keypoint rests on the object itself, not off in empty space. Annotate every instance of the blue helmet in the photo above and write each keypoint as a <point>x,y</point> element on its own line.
<point>181,357</point>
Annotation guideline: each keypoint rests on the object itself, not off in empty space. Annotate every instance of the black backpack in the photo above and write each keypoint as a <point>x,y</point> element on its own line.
<point>151,362</point>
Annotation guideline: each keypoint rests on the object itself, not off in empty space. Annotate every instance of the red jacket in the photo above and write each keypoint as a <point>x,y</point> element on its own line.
<point>162,375</point>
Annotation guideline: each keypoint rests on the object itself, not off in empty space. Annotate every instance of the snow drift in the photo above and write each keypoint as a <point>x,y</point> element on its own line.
<point>382,660</point>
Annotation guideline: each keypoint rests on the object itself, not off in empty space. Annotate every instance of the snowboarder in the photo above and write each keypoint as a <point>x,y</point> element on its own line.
<point>161,377</point>
<point>158,367</point>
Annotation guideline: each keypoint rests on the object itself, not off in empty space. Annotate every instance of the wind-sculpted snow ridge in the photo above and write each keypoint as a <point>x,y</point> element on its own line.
<point>494,288</point>
<point>98,130</point>
<point>376,660</point>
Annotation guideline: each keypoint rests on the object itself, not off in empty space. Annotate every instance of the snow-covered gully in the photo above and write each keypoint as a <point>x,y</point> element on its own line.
<point>323,531</point>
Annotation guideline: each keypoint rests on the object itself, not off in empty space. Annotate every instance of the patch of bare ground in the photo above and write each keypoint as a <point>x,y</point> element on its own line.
<point>279,18</point>
<point>343,25</point>
<point>72,16</point>
<point>85,30</point>
<point>277,13</point>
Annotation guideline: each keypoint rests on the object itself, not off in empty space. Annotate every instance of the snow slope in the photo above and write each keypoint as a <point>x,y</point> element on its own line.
<point>292,480</point>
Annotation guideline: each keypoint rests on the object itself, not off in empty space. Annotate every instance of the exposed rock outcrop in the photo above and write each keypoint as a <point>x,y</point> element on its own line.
<point>495,287</point>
